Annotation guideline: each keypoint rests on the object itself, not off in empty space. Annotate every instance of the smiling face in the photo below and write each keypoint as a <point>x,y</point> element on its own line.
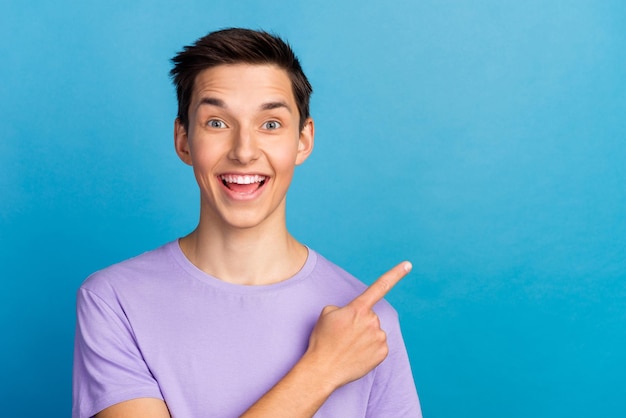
<point>243,142</point>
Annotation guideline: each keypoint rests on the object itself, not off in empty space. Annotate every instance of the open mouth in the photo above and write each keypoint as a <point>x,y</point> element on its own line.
<point>243,184</point>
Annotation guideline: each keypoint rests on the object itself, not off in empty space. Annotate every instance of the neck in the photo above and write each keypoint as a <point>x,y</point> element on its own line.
<point>251,256</point>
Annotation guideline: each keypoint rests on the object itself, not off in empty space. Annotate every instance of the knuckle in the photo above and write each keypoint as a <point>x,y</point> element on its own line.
<point>328,309</point>
<point>384,351</point>
<point>382,337</point>
<point>384,284</point>
<point>373,321</point>
<point>360,309</point>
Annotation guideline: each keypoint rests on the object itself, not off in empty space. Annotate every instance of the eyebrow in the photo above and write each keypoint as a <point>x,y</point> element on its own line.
<point>275,105</point>
<point>212,101</point>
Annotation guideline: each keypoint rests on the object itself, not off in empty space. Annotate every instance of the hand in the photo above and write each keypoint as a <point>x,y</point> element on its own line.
<point>347,343</point>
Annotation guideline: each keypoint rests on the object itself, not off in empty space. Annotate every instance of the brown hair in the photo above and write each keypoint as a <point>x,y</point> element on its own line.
<point>237,46</point>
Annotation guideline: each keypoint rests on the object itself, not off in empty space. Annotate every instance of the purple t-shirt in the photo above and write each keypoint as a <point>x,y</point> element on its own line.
<point>156,326</point>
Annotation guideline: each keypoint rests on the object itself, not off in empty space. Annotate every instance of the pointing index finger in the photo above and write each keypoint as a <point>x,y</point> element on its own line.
<point>377,290</point>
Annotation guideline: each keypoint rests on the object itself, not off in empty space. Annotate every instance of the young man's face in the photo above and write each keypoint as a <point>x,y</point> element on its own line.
<point>243,142</point>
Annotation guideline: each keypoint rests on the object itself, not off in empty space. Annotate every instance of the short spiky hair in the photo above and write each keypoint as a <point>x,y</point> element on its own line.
<point>237,46</point>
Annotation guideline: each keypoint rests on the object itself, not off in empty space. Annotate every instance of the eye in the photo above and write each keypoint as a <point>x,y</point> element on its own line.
<point>271,125</point>
<point>216,123</point>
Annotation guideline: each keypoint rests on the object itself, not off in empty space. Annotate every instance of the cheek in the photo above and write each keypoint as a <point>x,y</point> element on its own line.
<point>204,161</point>
<point>206,151</point>
<point>285,160</point>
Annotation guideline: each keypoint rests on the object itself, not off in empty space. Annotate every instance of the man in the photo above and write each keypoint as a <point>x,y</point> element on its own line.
<point>226,321</point>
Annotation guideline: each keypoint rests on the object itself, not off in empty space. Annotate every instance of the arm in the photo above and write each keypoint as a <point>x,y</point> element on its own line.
<point>137,408</point>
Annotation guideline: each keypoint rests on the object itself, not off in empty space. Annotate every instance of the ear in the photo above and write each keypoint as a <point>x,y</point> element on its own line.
<point>181,142</point>
<point>306,141</point>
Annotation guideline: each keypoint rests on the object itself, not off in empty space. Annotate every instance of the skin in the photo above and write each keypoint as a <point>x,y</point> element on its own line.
<point>244,120</point>
<point>237,97</point>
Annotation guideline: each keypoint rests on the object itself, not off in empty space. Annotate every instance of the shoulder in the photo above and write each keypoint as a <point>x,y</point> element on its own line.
<point>132,272</point>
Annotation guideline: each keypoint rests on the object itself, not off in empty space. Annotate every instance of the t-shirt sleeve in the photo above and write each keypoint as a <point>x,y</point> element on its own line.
<point>393,392</point>
<point>108,365</point>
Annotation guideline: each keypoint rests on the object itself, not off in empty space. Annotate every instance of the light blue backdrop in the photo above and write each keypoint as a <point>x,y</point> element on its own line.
<point>483,140</point>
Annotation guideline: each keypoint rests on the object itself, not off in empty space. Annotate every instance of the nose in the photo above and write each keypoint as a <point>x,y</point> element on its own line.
<point>244,148</point>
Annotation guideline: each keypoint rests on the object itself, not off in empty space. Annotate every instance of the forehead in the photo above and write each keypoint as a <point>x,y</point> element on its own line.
<point>251,82</point>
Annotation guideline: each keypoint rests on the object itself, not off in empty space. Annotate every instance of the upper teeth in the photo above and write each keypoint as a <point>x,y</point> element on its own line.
<point>229,178</point>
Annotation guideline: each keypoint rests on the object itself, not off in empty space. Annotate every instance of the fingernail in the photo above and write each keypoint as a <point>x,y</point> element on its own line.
<point>408,266</point>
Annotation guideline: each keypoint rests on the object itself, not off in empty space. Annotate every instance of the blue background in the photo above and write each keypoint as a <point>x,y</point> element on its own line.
<point>482,140</point>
